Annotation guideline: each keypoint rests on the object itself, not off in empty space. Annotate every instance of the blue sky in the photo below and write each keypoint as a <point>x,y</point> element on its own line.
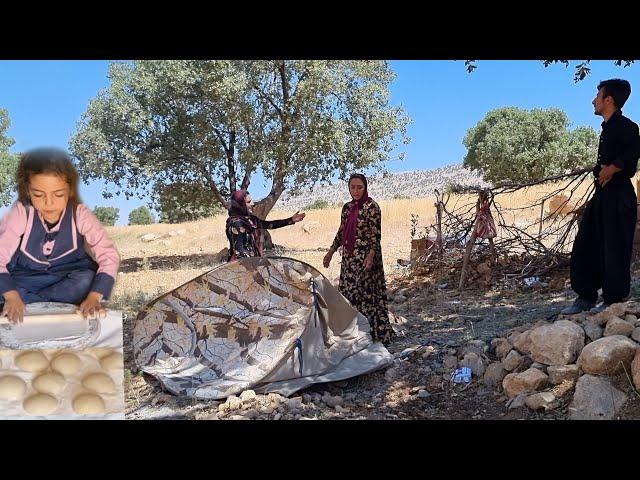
<point>45,100</point>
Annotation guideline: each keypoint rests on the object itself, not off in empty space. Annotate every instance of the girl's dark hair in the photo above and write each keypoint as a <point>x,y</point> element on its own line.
<point>46,160</point>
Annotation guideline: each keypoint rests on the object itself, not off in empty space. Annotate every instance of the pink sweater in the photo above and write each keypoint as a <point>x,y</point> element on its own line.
<point>16,227</point>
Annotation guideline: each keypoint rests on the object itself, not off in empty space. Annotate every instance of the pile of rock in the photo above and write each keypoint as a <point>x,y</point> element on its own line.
<point>251,406</point>
<point>539,367</point>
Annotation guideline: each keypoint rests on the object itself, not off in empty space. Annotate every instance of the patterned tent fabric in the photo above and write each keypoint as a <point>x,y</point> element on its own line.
<point>270,324</point>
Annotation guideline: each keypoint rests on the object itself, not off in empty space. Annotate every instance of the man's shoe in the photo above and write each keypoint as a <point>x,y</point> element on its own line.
<point>600,308</point>
<point>579,305</point>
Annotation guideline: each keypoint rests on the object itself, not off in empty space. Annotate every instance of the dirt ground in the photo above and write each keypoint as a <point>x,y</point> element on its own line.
<point>431,323</point>
<point>432,318</point>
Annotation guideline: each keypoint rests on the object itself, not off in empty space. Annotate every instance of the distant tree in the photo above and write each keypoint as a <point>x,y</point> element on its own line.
<point>8,161</point>
<point>517,145</point>
<point>108,216</point>
<point>141,216</point>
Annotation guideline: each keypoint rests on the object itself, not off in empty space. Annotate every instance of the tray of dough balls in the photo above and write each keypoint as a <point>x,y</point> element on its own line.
<point>62,383</point>
<point>85,383</point>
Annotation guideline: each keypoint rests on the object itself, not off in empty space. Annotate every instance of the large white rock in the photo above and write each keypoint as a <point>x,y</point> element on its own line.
<point>606,355</point>
<point>559,343</point>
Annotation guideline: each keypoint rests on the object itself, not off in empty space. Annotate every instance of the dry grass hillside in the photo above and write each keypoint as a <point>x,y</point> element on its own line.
<point>184,251</point>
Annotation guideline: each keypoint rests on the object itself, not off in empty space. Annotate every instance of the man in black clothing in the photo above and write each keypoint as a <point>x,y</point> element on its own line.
<point>601,255</point>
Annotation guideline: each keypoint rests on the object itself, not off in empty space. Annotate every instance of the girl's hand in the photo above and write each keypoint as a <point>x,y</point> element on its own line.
<point>13,307</point>
<point>91,307</point>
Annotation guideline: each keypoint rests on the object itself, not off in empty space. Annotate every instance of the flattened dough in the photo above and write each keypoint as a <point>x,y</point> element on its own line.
<point>112,362</point>
<point>32,361</point>
<point>12,387</point>
<point>88,403</point>
<point>66,363</point>
<point>50,382</point>
<point>99,382</point>
<point>40,404</point>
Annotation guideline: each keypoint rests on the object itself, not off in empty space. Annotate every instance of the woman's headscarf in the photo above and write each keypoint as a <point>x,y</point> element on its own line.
<point>351,223</point>
<point>238,211</point>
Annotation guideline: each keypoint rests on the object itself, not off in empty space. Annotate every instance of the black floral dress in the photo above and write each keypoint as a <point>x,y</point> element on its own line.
<point>245,234</point>
<point>366,290</point>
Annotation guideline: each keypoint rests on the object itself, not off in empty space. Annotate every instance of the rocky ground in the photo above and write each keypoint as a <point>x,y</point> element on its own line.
<point>440,329</point>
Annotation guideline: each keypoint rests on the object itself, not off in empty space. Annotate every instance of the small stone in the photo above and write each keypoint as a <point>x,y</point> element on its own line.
<point>617,326</point>
<point>294,403</point>
<point>494,374</point>
<point>332,401</point>
<point>248,396</point>
<point>541,400</point>
<point>526,382</point>
<point>517,402</point>
<point>512,361</point>
<point>251,413</point>
<point>593,330</point>
<point>391,374</point>
<point>234,403</point>
<point>475,363</point>
<point>560,373</point>
<point>501,346</point>
<point>540,366</point>
<point>423,394</point>
<point>237,417</point>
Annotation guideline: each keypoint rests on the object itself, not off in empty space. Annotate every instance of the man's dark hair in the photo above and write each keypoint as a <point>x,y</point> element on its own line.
<point>617,89</point>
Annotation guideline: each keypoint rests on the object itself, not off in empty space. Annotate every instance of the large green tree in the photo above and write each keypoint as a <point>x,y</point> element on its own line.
<point>517,145</point>
<point>212,125</point>
<point>8,161</point>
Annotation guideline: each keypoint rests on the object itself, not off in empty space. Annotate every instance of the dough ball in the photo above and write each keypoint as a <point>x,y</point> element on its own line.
<point>40,404</point>
<point>12,387</point>
<point>99,382</point>
<point>113,361</point>
<point>50,382</point>
<point>32,361</point>
<point>66,363</point>
<point>87,404</point>
<point>99,352</point>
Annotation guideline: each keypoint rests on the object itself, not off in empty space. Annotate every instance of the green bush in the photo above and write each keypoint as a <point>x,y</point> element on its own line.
<point>108,216</point>
<point>141,216</point>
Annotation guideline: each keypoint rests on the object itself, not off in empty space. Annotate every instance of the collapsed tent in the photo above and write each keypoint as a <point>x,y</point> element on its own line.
<point>268,324</point>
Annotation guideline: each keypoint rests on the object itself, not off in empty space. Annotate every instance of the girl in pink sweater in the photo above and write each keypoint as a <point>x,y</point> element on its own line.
<point>52,247</point>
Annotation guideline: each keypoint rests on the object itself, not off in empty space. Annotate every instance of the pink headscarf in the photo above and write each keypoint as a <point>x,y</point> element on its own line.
<point>238,210</point>
<point>350,229</point>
